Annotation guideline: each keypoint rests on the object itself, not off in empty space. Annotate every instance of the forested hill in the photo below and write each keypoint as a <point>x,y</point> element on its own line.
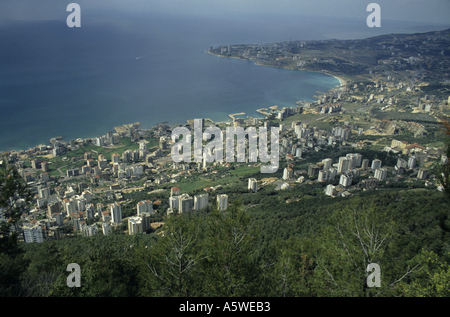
<point>266,245</point>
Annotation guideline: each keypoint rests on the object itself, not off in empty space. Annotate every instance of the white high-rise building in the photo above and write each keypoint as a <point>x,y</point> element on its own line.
<point>332,172</point>
<point>89,231</point>
<point>288,173</point>
<point>351,162</point>
<point>252,184</point>
<point>327,163</point>
<point>401,163</point>
<point>149,206</point>
<point>128,172</point>
<point>81,204</point>
<point>323,175</point>
<point>89,211</point>
<point>365,164</point>
<point>376,164</point>
<point>106,227</point>
<point>135,225</point>
<point>59,218</point>
<point>380,174</point>
<point>344,164</point>
<point>33,233</point>
<point>174,191</point>
<point>137,170</point>
<point>141,207</point>
<point>186,204</point>
<point>86,195</point>
<point>422,174</point>
<point>346,180</point>
<point>116,213</point>
<point>70,206</point>
<point>200,201</point>
<point>76,220</point>
<point>222,202</point>
<point>106,216</point>
<point>44,192</point>
<point>174,202</point>
<point>356,172</point>
<point>115,158</point>
<point>144,206</point>
<point>356,159</point>
<point>146,221</point>
<point>330,190</point>
<point>412,162</point>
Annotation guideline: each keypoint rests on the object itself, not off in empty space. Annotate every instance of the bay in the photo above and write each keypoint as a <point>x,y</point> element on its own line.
<point>118,69</point>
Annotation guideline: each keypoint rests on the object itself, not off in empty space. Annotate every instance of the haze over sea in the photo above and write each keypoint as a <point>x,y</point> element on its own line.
<point>82,82</point>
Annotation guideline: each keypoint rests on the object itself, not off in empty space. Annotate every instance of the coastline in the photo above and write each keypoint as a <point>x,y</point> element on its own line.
<point>341,81</point>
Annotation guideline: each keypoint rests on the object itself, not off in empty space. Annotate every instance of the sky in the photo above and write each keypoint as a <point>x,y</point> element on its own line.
<point>424,11</point>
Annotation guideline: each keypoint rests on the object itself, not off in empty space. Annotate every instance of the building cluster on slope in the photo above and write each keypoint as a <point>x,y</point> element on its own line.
<point>305,139</point>
<point>183,203</point>
<point>296,141</point>
<point>76,211</point>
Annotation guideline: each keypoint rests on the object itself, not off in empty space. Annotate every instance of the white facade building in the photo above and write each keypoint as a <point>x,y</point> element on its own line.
<point>252,184</point>
<point>116,213</point>
<point>90,230</point>
<point>33,233</point>
<point>135,225</point>
<point>287,174</point>
<point>380,174</point>
<point>186,204</point>
<point>144,206</point>
<point>200,201</point>
<point>412,162</point>
<point>106,227</point>
<point>330,190</point>
<point>346,180</point>
<point>376,164</point>
<point>222,202</point>
<point>344,164</point>
<point>327,163</point>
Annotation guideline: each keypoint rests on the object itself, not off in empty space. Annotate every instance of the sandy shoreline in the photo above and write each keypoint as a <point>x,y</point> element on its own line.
<point>341,81</point>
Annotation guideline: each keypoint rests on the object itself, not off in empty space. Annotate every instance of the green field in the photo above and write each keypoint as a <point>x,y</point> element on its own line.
<point>244,171</point>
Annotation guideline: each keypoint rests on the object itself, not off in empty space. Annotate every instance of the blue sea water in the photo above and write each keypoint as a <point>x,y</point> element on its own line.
<point>81,82</point>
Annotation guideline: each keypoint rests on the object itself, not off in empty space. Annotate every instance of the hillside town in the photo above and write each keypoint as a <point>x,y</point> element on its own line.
<point>370,133</point>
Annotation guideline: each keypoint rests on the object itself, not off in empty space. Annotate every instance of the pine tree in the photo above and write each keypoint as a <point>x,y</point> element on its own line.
<point>171,264</point>
<point>228,265</point>
<point>357,236</point>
